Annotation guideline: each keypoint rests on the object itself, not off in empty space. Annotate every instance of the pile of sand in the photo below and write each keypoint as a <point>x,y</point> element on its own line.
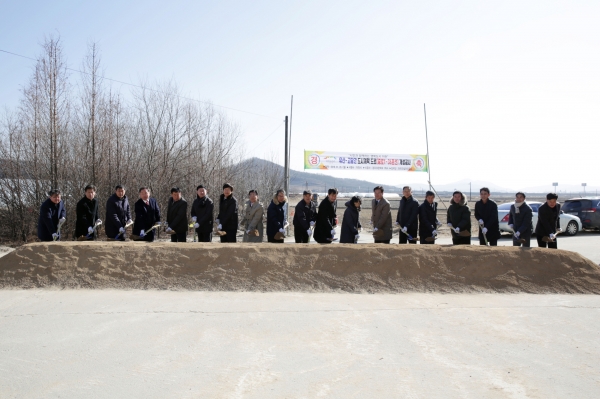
<point>294,267</point>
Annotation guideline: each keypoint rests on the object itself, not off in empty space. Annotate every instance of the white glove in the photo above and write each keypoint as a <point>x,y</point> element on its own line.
<point>511,226</point>
<point>434,232</point>
<point>439,224</point>
<point>90,230</point>
<point>281,230</point>
<point>169,229</point>
<point>247,231</point>
<point>219,227</point>
<point>333,232</point>
<point>312,224</point>
<point>218,221</point>
<point>404,229</point>
<point>518,234</point>
<point>480,221</point>
<point>196,225</point>
<point>450,225</point>
<point>121,230</point>
<point>55,236</point>
<point>484,230</point>
<point>194,219</point>
<point>142,233</point>
<point>397,224</point>
<point>375,229</point>
<point>61,220</point>
<point>99,221</point>
<point>356,237</point>
<point>309,231</point>
<point>457,229</point>
<point>552,236</point>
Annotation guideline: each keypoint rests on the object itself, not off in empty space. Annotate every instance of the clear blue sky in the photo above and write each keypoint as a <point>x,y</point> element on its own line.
<point>512,88</point>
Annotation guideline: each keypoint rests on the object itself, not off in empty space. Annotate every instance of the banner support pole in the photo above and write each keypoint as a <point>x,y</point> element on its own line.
<point>427,143</point>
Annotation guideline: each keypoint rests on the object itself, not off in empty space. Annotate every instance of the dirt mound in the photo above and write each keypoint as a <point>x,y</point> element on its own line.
<point>294,267</point>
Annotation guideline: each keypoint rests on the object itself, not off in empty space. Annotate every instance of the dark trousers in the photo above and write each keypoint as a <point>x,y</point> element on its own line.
<point>300,235</point>
<point>492,241</point>
<point>382,241</point>
<point>179,237</point>
<point>459,240</point>
<point>272,239</point>
<point>543,244</point>
<point>204,237</point>
<point>230,236</point>
<point>404,239</point>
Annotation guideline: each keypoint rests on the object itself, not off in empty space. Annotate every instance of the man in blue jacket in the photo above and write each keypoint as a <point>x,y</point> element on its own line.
<point>147,214</point>
<point>277,217</point>
<point>520,220</point>
<point>118,214</point>
<point>407,218</point>
<point>52,212</point>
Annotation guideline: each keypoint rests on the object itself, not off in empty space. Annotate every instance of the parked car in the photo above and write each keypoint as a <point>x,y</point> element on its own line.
<point>587,209</point>
<point>569,224</point>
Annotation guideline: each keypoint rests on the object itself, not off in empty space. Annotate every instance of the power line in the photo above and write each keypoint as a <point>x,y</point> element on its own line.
<point>146,88</point>
<point>270,134</point>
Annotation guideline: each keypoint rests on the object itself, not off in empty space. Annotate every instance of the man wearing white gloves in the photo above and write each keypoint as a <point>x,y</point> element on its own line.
<point>118,214</point>
<point>227,219</point>
<point>351,222</point>
<point>253,219</point>
<point>324,232</point>
<point>202,214</point>
<point>428,222</point>
<point>304,218</point>
<point>381,217</point>
<point>486,213</point>
<point>520,221</point>
<point>52,212</point>
<point>147,214</point>
<point>277,218</point>
<point>407,218</point>
<point>548,223</point>
<point>177,223</point>
<point>87,214</point>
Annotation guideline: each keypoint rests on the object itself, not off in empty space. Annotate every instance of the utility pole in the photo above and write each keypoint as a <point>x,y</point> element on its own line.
<point>286,173</point>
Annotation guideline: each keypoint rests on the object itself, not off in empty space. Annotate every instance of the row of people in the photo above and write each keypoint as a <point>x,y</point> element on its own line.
<point>413,219</point>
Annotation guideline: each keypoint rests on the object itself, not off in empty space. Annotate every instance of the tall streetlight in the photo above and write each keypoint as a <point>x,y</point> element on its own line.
<point>583,185</point>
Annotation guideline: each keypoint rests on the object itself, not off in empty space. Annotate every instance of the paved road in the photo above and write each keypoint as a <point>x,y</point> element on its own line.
<point>587,243</point>
<point>163,344</point>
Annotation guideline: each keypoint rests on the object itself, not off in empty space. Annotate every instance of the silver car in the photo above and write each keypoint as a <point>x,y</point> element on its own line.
<point>569,224</point>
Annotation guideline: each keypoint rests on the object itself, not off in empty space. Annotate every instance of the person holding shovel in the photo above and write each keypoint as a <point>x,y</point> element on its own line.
<point>147,214</point>
<point>177,223</point>
<point>407,218</point>
<point>428,221</point>
<point>253,219</point>
<point>486,213</point>
<point>304,218</point>
<point>351,223</point>
<point>381,217</point>
<point>52,213</point>
<point>87,214</point>
<point>520,221</point>
<point>326,218</point>
<point>227,219</point>
<point>118,215</point>
<point>277,218</point>
<point>459,219</point>
<point>202,214</point>
<point>548,223</point>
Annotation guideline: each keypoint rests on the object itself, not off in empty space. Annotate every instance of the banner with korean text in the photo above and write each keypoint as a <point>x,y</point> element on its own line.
<point>326,160</point>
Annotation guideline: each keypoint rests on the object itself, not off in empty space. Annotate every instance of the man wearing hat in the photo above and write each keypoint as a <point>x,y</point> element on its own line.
<point>548,223</point>
<point>227,219</point>
<point>177,224</point>
<point>305,217</point>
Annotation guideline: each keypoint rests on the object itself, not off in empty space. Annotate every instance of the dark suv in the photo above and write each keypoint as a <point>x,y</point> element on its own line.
<point>587,209</point>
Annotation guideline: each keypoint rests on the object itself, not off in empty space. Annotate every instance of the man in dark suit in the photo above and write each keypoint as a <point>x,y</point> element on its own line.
<point>147,214</point>
<point>118,214</point>
<point>87,214</point>
<point>177,222</point>
<point>52,212</point>
<point>548,223</point>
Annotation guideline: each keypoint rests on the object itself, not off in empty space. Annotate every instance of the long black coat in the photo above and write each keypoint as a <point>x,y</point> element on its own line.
<point>228,213</point>
<point>523,220</point>
<point>548,220</point>
<point>488,212</point>
<point>145,217</point>
<point>459,215</point>
<point>427,219</point>
<point>276,216</point>
<point>87,214</point>
<point>304,214</point>
<point>117,215</point>
<point>177,215</point>
<point>325,221</point>
<point>203,209</point>
<point>350,224</point>
<point>408,213</point>
<point>50,213</point>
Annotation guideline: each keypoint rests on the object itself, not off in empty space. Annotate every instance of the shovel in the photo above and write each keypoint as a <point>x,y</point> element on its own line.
<point>119,235</point>
<point>484,236</point>
<point>60,223</point>
<point>548,239</point>
<point>90,235</point>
